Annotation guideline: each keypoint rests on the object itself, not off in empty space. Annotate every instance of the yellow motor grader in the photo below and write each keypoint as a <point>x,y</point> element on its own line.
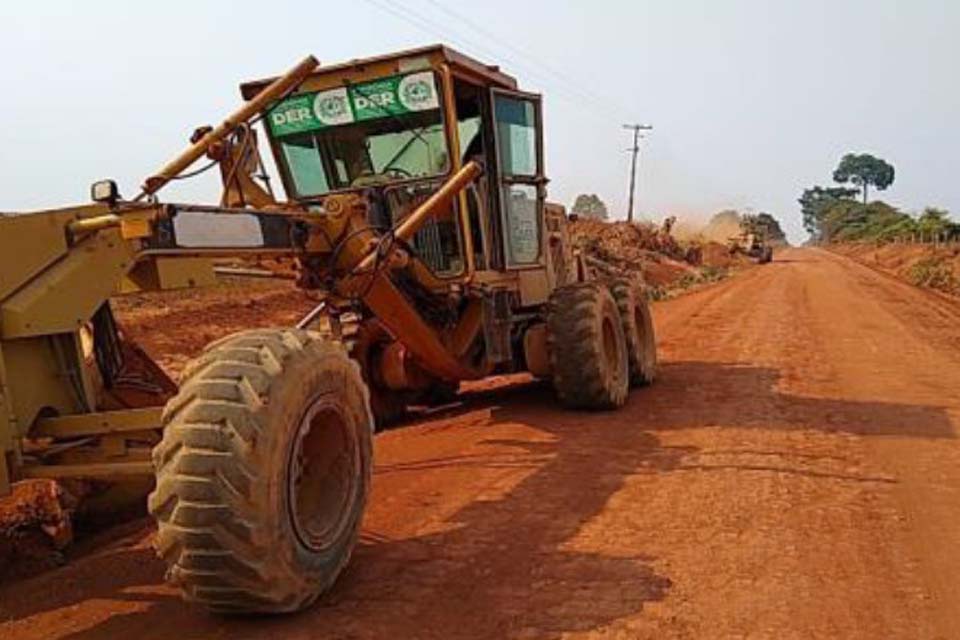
<point>415,210</point>
<point>752,241</point>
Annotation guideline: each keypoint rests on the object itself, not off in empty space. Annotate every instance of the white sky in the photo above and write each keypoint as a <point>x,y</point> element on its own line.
<point>751,101</point>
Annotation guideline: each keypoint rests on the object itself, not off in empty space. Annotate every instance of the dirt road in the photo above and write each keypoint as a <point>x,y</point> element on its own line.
<point>793,474</point>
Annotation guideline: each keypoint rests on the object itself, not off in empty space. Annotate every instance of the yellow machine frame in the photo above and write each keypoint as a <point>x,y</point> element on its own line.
<point>57,268</point>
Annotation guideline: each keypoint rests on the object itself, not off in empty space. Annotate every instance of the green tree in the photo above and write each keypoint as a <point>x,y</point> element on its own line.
<point>771,227</point>
<point>589,206</point>
<point>905,228</point>
<point>935,222</point>
<point>764,225</point>
<point>863,171</point>
<point>815,201</point>
<point>850,221</point>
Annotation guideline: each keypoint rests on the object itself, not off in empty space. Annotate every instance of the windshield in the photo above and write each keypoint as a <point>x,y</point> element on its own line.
<point>371,133</point>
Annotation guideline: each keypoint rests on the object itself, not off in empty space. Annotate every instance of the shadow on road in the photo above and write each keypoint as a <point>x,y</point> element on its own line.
<point>698,394</point>
<point>500,566</point>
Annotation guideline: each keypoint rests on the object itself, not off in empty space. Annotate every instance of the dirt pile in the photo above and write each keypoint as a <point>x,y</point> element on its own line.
<point>718,256</point>
<point>632,249</point>
<point>35,526</point>
<point>175,326</point>
<point>652,252</point>
<point>929,266</point>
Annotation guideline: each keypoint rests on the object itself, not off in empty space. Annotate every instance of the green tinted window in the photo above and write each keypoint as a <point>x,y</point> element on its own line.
<point>373,132</point>
<point>516,136</point>
<point>419,152</point>
<point>392,148</point>
<point>306,166</point>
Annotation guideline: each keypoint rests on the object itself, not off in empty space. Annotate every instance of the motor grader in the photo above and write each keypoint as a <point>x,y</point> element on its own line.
<point>751,243</point>
<point>416,214</point>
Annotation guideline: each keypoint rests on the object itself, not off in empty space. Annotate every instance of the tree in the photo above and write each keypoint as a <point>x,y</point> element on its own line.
<point>815,201</point>
<point>935,223</point>
<point>589,206</point>
<point>864,170</point>
<point>848,220</point>
<point>769,227</point>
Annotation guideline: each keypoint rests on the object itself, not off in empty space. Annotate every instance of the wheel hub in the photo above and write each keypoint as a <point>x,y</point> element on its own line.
<point>322,475</point>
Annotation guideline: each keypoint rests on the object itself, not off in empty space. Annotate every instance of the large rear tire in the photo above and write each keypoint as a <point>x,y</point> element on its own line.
<point>637,330</point>
<point>263,471</point>
<point>588,355</point>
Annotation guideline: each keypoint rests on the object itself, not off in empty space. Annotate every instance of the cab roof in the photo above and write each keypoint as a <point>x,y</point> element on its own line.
<point>400,62</point>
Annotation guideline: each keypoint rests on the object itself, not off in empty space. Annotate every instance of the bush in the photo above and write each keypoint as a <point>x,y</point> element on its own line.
<point>933,273</point>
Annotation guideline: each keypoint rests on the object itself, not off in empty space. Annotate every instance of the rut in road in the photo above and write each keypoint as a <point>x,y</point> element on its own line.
<point>793,473</point>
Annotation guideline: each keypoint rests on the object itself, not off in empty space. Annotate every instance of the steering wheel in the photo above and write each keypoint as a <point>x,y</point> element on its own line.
<point>371,179</point>
<point>403,173</point>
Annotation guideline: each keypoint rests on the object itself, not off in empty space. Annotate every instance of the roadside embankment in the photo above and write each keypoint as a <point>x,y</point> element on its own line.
<point>928,266</point>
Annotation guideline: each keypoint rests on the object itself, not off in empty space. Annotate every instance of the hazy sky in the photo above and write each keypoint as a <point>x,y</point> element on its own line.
<point>751,101</point>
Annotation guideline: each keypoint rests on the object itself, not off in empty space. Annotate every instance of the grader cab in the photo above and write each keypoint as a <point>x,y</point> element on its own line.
<point>415,210</point>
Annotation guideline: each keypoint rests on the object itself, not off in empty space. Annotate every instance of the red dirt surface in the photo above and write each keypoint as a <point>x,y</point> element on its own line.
<point>175,326</point>
<point>718,255</point>
<point>794,473</point>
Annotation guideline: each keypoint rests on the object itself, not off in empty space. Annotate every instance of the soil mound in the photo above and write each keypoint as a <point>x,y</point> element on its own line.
<point>651,252</point>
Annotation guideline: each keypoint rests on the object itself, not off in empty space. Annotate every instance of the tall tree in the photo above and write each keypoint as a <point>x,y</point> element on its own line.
<point>863,171</point>
<point>815,202</point>
<point>589,206</point>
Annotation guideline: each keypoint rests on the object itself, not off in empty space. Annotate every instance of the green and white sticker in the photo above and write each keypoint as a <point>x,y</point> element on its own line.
<point>382,98</point>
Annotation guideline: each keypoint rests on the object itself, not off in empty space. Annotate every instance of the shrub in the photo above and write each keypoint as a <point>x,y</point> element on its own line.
<point>933,273</point>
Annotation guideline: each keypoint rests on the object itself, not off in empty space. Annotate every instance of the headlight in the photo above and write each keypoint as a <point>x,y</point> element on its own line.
<point>104,191</point>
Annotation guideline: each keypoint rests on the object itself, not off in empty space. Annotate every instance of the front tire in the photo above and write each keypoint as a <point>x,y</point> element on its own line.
<point>588,356</point>
<point>263,471</point>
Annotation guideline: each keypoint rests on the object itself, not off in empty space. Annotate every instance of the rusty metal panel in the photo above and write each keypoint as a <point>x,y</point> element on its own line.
<point>534,287</point>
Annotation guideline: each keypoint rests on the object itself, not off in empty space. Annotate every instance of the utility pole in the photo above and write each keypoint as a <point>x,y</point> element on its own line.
<point>636,128</point>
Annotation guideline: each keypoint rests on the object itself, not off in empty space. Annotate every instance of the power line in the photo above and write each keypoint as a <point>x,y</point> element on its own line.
<point>561,84</point>
<point>636,128</point>
<point>427,25</point>
<point>571,83</point>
